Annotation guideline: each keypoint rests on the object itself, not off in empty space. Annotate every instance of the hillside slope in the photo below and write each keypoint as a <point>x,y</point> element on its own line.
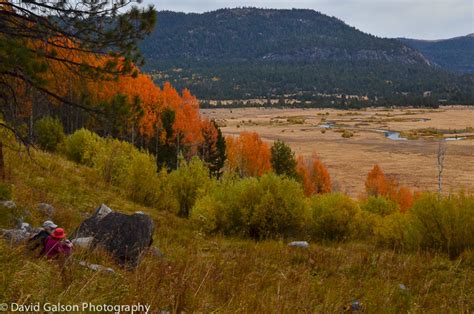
<point>456,54</point>
<point>205,274</point>
<point>247,53</point>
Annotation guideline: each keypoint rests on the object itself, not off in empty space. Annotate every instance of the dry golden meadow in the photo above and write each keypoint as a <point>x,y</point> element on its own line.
<point>349,160</point>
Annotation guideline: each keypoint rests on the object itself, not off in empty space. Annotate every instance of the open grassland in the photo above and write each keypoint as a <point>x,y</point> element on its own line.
<point>350,142</point>
<point>215,274</point>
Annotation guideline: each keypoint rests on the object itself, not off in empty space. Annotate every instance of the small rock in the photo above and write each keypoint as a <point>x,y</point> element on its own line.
<point>8,204</point>
<point>156,252</point>
<point>25,227</point>
<point>97,267</point>
<point>46,209</point>
<point>15,236</point>
<point>301,244</point>
<point>102,211</point>
<point>85,242</point>
<point>354,306</point>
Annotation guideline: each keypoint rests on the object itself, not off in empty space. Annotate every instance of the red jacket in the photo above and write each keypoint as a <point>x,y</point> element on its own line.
<point>53,247</point>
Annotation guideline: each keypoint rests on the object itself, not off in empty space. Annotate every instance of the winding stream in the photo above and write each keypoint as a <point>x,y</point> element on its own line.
<point>391,135</point>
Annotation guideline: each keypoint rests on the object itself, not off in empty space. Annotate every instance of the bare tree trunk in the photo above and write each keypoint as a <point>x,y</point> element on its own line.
<point>2,163</point>
<point>441,154</point>
<point>177,153</point>
<point>133,133</point>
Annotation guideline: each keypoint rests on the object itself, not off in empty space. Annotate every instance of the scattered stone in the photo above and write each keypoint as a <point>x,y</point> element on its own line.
<point>83,242</point>
<point>97,267</point>
<point>24,226</point>
<point>46,209</point>
<point>125,236</point>
<point>301,244</point>
<point>15,236</point>
<point>156,252</point>
<point>356,306</point>
<point>8,204</point>
<point>102,211</point>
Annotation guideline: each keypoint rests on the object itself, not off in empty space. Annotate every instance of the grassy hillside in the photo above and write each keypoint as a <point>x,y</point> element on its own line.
<point>201,273</point>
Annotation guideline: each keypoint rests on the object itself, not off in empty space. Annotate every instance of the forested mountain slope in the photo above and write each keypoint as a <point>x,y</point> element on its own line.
<point>247,53</point>
<point>456,54</point>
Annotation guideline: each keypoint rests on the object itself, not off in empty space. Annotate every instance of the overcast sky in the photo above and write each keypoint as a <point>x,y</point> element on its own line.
<point>421,19</point>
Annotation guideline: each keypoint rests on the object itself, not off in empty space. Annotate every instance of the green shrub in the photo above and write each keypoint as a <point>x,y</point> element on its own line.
<point>139,178</point>
<point>335,217</point>
<point>187,183</point>
<point>445,223</point>
<point>125,166</point>
<point>347,134</point>
<point>5,192</point>
<point>269,206</point>
<point>82,146</point>
<point>49,133</point>
<point>111,160</point>
<point>395,231</point>
<point>379,205</point>
<point>164,193</point>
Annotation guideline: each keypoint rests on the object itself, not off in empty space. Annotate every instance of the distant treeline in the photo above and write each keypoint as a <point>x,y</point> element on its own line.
<point>334,103</point>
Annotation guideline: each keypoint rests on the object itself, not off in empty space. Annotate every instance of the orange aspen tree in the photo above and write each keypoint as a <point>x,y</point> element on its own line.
<point>248,155</point>
<point>314,175</point>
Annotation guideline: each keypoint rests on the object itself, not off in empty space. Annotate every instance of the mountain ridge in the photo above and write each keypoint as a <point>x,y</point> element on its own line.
<point>247,52</point>
<point>454,54</point>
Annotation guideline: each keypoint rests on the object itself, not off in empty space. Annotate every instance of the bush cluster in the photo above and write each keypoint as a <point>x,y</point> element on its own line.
<point>435,222</point>
<point>5,192</point>
<point>275,206</point>
<point>82,146</point>
<point>265,207</point>
<point>335,217</point>
<point>118,163</point>
<point>49,133</point>
<point>135,172</point>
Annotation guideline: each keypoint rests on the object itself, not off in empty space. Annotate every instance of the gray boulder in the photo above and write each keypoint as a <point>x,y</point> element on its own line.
<point>125,236</point>
<point>15,236</point>
<point>301,244</point>
<point>46,209</point>
<point>8,204</point>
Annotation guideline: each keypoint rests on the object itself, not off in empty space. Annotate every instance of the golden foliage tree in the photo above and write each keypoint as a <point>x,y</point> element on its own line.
<point>248,155</point>
<point>313,175</point>
<point>378,184</point>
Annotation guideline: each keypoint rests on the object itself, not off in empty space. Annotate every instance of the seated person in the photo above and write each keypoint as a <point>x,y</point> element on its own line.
<point>39,239</point>
<point>56,245</point>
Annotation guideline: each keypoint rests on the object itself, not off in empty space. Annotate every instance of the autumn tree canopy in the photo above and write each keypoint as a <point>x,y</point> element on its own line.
<point>42,40</point>
<point>314,175</point>
<point>376,183</point>
<point>379,185</point>
<point>247,155</point>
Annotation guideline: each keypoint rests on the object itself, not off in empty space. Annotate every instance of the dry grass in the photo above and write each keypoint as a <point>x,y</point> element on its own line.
<point>216,274</point>
<point>350,159</point>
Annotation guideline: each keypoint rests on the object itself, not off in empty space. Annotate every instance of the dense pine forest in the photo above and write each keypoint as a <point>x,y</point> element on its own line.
<point>250,53</point>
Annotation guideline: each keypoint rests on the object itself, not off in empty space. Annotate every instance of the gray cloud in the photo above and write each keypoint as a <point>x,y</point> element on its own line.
<point>424,19</point>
